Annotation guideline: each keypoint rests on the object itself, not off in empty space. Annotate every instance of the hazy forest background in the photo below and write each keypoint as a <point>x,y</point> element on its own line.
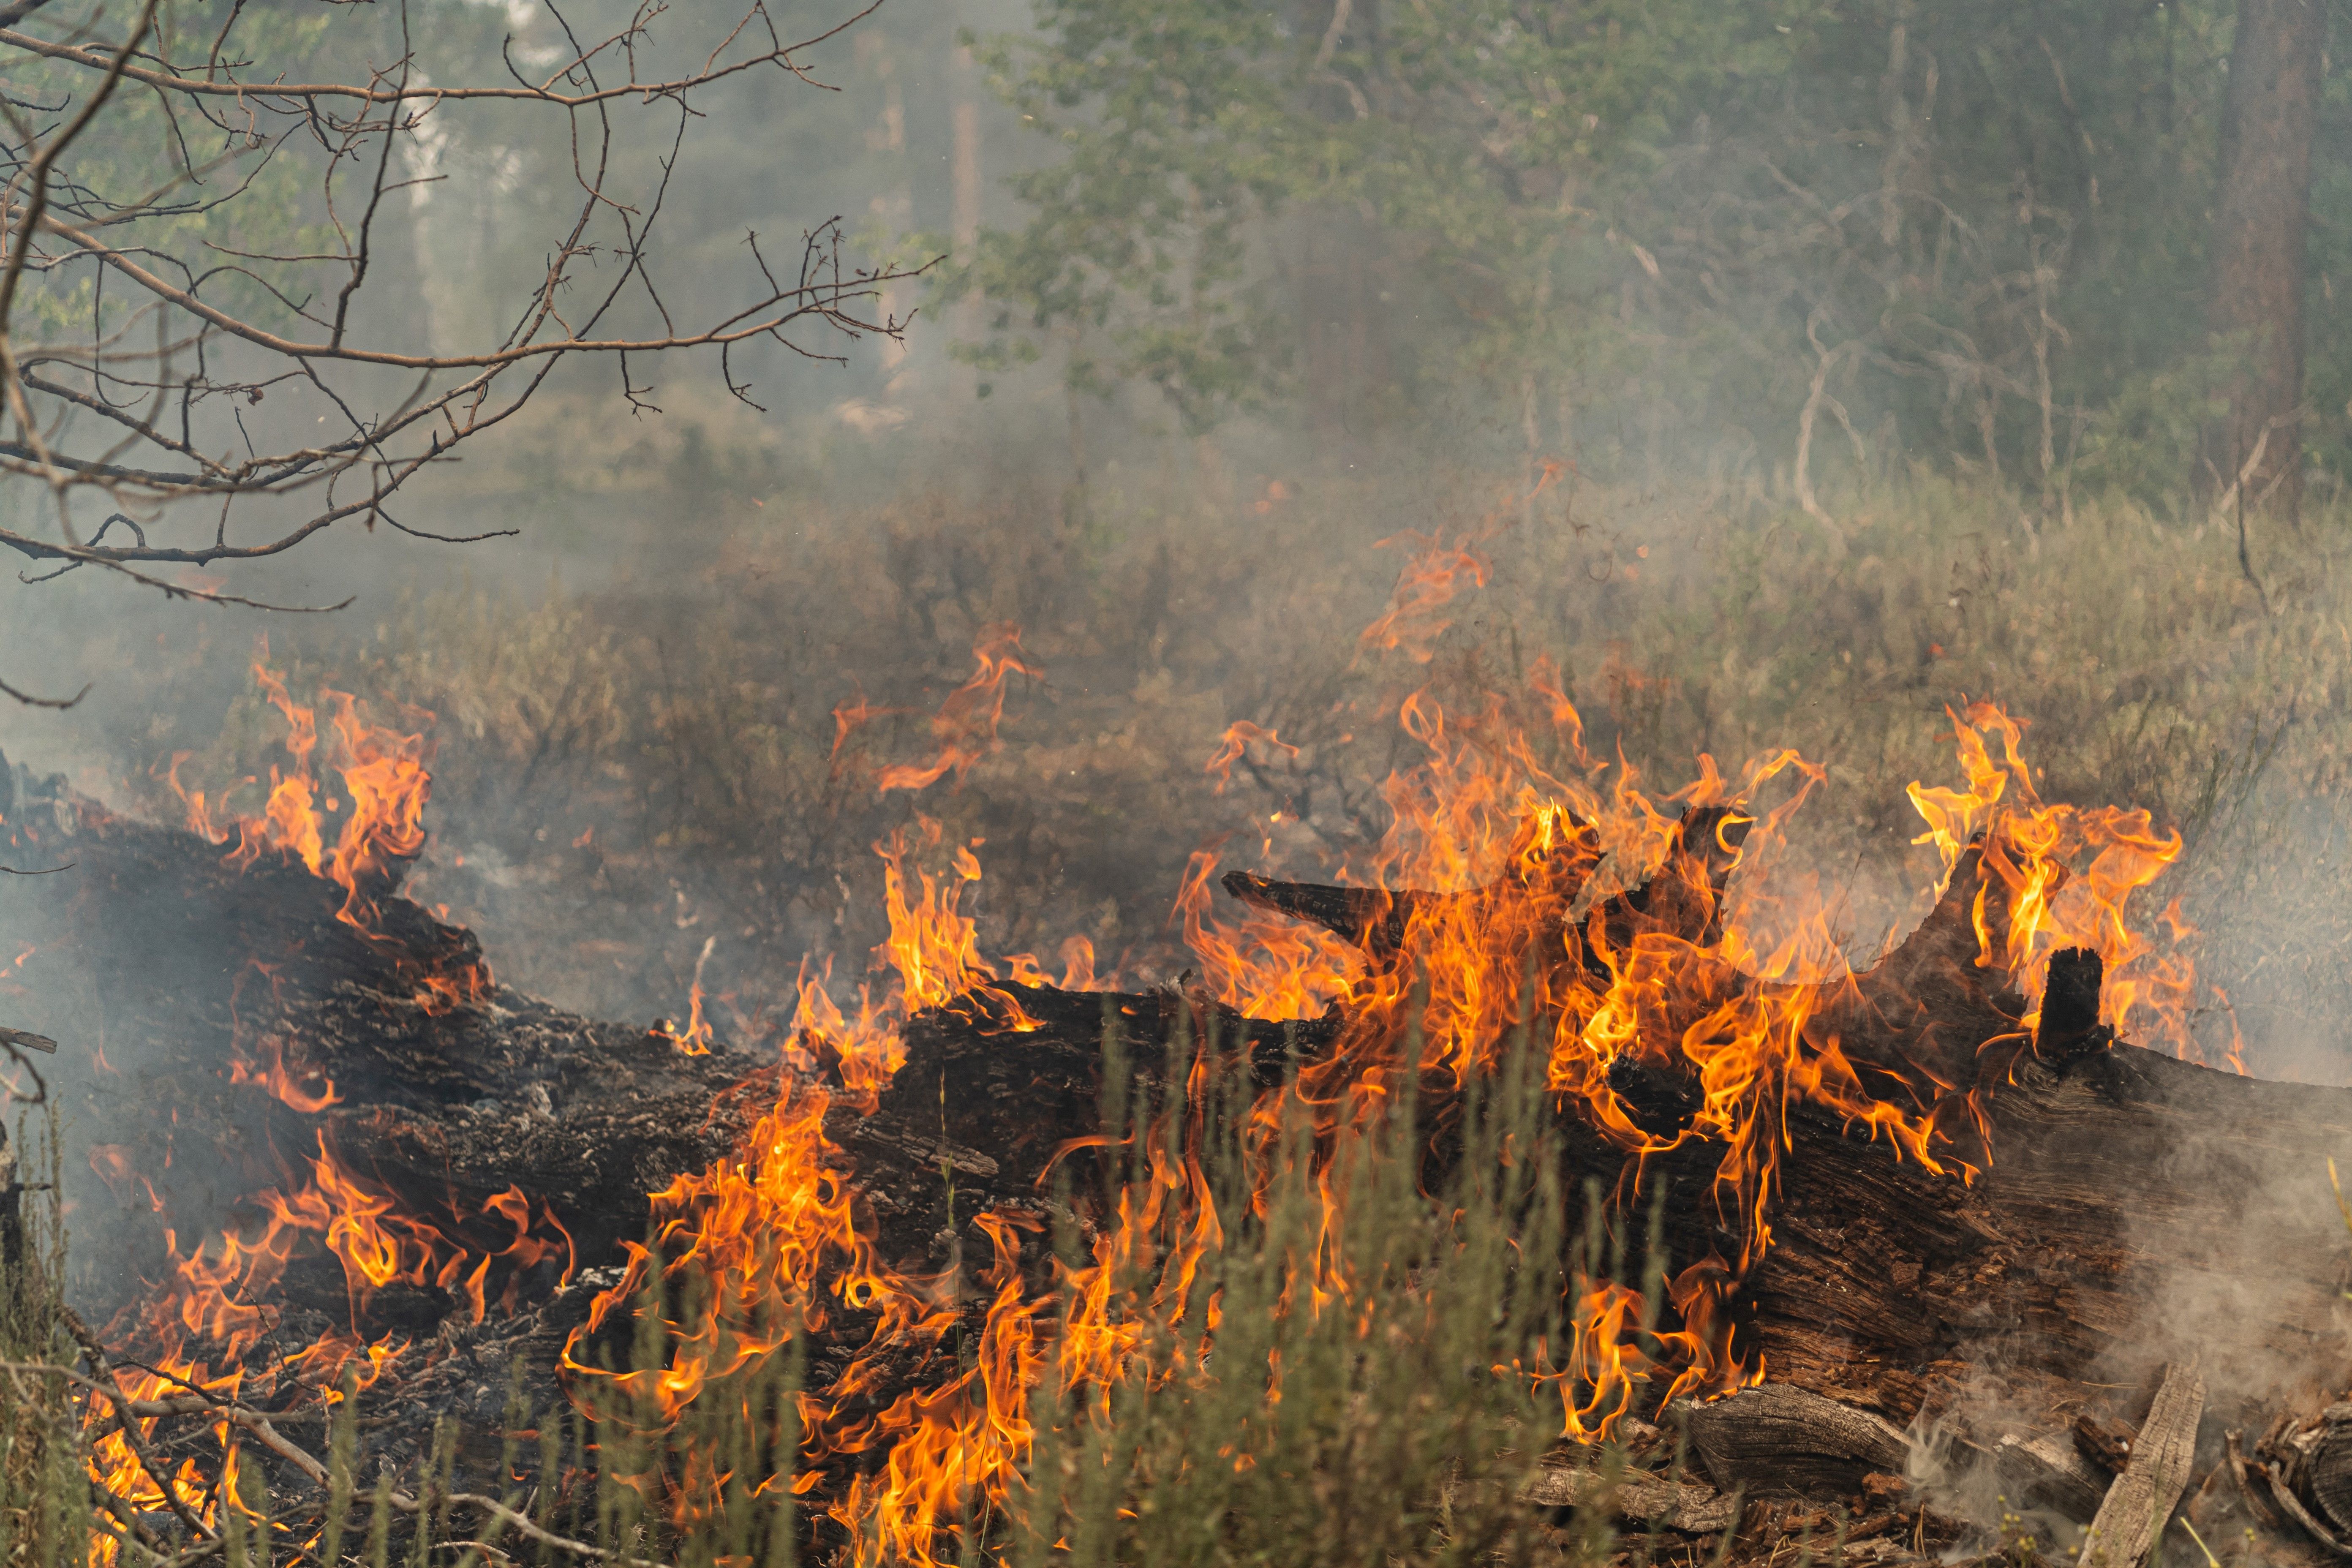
<point>1802,366</point>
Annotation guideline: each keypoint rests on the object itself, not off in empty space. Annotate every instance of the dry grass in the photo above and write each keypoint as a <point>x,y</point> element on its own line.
<point>629,773</point>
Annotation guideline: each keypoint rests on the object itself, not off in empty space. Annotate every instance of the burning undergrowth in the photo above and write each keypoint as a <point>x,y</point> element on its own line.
<point>1347,1138</point>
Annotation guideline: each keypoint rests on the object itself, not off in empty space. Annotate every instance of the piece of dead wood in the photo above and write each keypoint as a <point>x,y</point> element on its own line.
<point>2105,1444</point>
<point>2132,1518</point>
<point>28,1041</point>
<point>2317,1463</point>
<point>1636,1497</point>
<point>2042,1471</point>
<point>2235,1503</point>
<point>1780,1438</point>
<point>2269,1484</point>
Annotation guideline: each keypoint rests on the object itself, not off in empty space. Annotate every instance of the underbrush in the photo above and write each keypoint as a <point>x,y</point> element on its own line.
<point>638,788</point>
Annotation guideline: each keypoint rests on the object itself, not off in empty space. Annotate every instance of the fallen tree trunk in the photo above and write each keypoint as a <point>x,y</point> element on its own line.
<point>2132,1210</point>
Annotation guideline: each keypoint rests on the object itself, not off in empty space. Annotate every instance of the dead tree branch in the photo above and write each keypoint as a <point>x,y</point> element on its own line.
<point>179,324</point>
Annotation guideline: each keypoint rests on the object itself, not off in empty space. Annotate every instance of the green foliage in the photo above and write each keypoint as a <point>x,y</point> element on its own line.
<point>1633,233</point>
<point>1174,140</point>
<point>1361,1397</point>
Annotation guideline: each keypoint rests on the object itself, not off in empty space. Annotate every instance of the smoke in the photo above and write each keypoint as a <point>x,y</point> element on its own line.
<point>641,785</point>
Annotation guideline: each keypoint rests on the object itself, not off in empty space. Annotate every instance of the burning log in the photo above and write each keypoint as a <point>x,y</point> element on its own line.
<point>252,1001</point>
<point>2094,1210</point>
<point>2103,1209</point>
<point>252,1071</point>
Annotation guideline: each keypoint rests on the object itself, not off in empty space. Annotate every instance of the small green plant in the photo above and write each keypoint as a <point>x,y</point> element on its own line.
<point>1365,1394</point>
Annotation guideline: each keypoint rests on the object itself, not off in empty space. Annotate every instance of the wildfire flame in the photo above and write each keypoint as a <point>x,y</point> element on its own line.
<point>1552,891</point>
<point>2068,873</point>
<point>694,1040</point>
<point>386,785</point>
<point>196,1328</point>
<point>965,729</point>
<point>1554,887</point>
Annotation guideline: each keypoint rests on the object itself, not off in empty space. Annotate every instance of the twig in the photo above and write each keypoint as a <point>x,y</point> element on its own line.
<point>59,703</point>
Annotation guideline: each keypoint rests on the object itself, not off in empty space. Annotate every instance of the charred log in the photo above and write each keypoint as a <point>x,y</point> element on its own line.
<point>1780,1438</point>
<point>2125,1210</point>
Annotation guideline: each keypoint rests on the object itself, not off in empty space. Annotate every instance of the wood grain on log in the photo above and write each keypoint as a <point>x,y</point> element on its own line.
<point>1636,1497</point>
<point>2045,1471</point>
<point>1779,1438</point>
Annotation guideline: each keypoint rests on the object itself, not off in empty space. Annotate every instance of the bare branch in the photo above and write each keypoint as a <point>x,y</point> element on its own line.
<point>735,328</point>
<point>132,431</point>
<point>30,701</point>
<point>80,55</point>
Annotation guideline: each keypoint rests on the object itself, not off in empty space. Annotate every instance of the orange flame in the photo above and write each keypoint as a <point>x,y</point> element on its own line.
<point>1629,934</point>
<point>1562,893</point>
<point>1432,576</point>
<point>965,729</point>
<point>2068,873</point>
<point>386,784</point>
<point>281,1084</point>
<point>694,1040</point>
<point>1240,735</point>
<point>211,1312</point>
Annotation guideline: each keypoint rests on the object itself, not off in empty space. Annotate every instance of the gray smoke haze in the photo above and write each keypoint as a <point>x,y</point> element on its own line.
<point>639,767</point>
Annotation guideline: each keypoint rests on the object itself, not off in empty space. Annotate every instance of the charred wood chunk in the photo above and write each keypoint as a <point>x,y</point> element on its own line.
<point>1780,1438</point>
<point>1658,1103</point>
<point>2317,1456</point>
<point>2235,1504</point>
<point>2329,1474</point>
<point>1637,1496</point>
<point>2105,1446</point>
<point>2043,1470</point>
<point>21,1039</point>
<point>1373,918</point>
<point>2070,1005</point>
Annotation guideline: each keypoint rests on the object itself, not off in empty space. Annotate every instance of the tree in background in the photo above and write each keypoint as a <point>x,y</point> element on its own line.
<point>2254,451</point>
<point>218,240</point>
<point>1784,238</point>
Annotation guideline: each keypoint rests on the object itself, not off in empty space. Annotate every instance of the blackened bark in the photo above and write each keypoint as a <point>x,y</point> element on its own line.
<point>2260,214</point>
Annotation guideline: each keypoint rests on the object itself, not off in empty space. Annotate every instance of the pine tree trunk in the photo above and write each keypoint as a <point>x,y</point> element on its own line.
<point>2261,212</point>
